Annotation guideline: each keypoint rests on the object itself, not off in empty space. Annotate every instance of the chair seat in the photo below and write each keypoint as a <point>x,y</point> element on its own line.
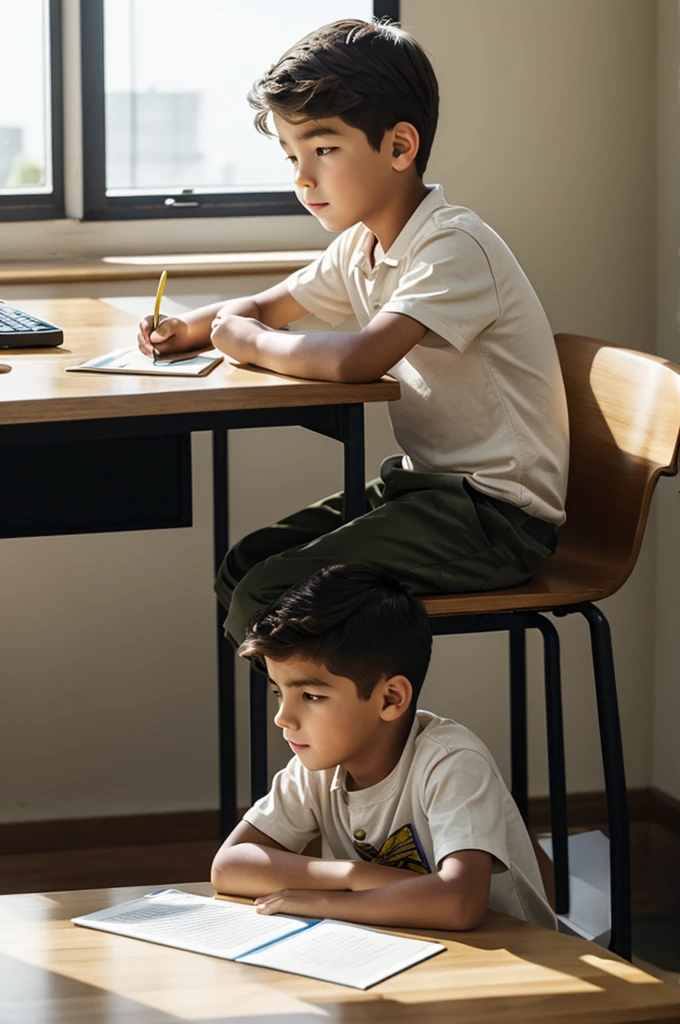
<point>571,576</point>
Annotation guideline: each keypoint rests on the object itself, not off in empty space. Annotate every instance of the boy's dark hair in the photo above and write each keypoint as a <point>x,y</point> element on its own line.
<point>359,622</point>
<point>372,75</point>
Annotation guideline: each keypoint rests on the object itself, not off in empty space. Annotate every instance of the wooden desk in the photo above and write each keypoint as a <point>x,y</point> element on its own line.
<point>39,401</point>
<point>38,391</point>
<point>54,973</point>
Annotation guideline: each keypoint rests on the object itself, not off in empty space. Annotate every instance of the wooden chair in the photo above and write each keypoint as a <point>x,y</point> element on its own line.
<point>624,418</point>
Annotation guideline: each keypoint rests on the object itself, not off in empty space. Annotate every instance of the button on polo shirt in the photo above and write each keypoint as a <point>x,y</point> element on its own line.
<point>481,393</point>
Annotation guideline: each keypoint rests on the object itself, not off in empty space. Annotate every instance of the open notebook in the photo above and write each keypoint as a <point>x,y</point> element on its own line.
<point>346,954</point>
<point>131,360</point>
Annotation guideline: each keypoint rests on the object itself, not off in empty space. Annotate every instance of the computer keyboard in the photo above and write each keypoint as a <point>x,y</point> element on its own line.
<point>19,329</point>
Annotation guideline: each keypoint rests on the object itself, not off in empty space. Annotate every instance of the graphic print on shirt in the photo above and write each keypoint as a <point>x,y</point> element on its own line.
<point>400,850</point>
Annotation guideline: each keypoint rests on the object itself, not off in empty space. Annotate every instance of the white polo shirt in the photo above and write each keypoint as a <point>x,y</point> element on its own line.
<point>444,795</point>
<point>482,393</point>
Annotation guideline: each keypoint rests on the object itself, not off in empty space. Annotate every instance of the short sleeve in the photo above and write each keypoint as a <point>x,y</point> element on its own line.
<point>285,814</point>
<point>463,801</point>
<point>322,286</point>
<point>448,287</point>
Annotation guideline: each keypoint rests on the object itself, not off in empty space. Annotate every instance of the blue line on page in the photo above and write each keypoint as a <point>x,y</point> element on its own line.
<point>281,938</point>
<point>107,360</point>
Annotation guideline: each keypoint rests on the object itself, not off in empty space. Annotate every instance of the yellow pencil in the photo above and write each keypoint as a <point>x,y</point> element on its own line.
<point>157,307</point>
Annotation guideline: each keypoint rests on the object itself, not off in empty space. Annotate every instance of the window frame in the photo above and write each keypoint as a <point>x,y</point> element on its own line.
<point>48,205</point>
<point>97,206</point>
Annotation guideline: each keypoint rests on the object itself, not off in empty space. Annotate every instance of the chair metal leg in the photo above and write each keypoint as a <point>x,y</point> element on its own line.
<point>518,721</point>
<point>614,779</point>
<point>556,762</point>
<point>354,493</point>
<point>258,734</point>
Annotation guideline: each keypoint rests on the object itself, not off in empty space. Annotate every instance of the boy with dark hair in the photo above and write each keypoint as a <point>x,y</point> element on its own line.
<point>417,826</point>
<point>442,304</point>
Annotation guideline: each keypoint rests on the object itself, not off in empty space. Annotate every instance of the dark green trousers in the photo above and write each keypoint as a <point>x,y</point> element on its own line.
<point>433,531</point>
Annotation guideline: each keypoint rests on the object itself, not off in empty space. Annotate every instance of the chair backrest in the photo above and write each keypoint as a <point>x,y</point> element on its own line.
<point>624,419</point>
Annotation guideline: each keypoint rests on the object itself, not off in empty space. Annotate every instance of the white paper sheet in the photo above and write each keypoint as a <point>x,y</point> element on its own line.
<point>171,917</point>
<point>589,908</point>
<point>332,951</point>
<point>344,954</point>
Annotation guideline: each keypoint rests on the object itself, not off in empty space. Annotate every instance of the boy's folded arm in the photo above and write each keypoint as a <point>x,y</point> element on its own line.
<point>343,357</point>
<point>453,898</point>
<point>251,869</point>
<point>373,351</point>
<point>251,863</point>
<point>273,307</point>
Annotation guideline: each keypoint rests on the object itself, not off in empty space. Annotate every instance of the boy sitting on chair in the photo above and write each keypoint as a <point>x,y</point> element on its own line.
<point>442,304</point>
<point>417,826</point>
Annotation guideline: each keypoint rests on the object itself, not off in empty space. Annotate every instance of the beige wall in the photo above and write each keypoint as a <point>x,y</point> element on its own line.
<point>666,762</point>
<point>548,131</point>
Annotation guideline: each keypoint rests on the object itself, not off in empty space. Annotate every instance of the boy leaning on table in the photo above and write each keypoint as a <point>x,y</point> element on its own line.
<point>417,826</point>
<point>442,304</point>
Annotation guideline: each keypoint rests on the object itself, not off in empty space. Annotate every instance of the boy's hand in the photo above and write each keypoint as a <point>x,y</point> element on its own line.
<point>171,337</point>
<point>302,902</point>
<point>235,335</point>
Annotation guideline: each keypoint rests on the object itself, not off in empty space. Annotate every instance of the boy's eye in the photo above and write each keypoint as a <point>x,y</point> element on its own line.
<point>312,698</point>
<point>320,151</point>
<point>277,694</point>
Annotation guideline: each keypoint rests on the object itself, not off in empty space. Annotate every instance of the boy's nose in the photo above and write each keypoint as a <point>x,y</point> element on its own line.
<point>303,178</point>
<point>284,719</point>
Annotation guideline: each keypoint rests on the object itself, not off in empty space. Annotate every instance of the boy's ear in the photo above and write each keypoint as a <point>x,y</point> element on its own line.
<point>397,695</point>
<point>405,143</point>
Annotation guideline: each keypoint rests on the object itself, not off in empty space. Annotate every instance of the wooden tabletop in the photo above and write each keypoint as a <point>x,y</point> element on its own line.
<point>37,390</point>
<point>52,972</point>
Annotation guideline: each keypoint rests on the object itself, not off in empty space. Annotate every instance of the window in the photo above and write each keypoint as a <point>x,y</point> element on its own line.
<point>30,110</point>
<point>167,131</point>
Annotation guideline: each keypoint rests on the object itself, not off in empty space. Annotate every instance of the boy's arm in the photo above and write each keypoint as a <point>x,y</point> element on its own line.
<point>345,357</point>
<point>253,865</point>
<point>454,898</point>
<point>273,307</point>
<point>250,863</point>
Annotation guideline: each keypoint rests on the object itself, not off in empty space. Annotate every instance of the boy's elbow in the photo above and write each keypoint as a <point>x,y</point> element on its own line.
<point>468,911</point>
<point>351,368</point>
<point>468,918</point>
<point>226,863</point>
<point>464,907</point>
<point>218,870</point>
<point>236,868</point>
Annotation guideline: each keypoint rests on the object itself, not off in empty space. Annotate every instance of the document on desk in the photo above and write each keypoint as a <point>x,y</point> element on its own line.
<point>334,951</point>
<point>131,360</point>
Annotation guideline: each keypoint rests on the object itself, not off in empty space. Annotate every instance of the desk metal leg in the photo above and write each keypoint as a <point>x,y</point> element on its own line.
<point>225,654</point>
<point>354,499</point>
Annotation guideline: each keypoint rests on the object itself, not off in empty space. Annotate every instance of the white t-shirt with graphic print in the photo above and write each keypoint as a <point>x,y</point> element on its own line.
<point>445,794</point>
<point>481,394</point>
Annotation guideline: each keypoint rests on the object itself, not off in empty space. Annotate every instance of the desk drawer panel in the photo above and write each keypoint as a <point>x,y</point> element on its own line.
<point>95,486</point>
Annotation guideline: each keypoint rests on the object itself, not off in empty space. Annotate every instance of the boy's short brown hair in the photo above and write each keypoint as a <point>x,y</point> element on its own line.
<point>357,621</point>
<point>371,75</point>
